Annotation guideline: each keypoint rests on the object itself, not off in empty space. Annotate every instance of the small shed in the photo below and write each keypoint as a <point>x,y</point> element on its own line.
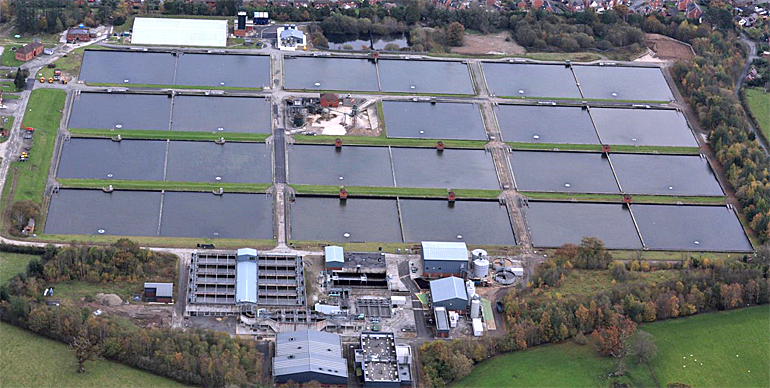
<point>334,257</point>
<point>441,259</point>
<point>449,293</point>
<point>159,292</point>
<point>330,100</point>
<point>30,228</point>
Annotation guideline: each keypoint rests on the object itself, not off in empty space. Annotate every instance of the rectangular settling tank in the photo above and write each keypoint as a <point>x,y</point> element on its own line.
<point>622,83</point>
<point>107,159</point>
<point>221,70</point>
<point>120,213</point>
<point>563,172</point>
<point>410,76</point>
<point>349,165</point>
<point>665,175</point>
<point>205,215</point>
<point>691,228</point>
<point>552,224</point>
<point>221,114</point>
<point>343,74</point>
<point>230,162</point>
<point>124,67</point>
<point>529,80</point>
<point>120,111</point>
<point>472,222</point>
<point>450,169</point>
<point>353,220</point>
<point>423,120</point>
<point>643,127</point>
<point>545,124</point>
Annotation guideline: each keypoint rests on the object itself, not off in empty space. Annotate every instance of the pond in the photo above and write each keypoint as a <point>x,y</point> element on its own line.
<point>363,42</point>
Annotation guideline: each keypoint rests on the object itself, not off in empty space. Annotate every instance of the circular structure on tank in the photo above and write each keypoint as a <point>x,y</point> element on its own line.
<point>478,253</point>
<point>505,277</point>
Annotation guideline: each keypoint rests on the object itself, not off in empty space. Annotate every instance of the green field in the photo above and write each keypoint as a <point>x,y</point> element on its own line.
<point>713,339</point>
<point>29,360</point>
<point>12,264</point>
<point>44,114</point>
<point>9,56</point>
<point>759,103</point>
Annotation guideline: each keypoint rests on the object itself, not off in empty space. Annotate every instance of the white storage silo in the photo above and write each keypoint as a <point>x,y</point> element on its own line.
<point>480,267</point>
<point>478,254</point>
<point>470,290</point>
<point>476,307</point>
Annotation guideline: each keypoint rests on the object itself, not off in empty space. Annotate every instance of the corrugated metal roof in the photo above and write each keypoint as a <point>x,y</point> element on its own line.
<point>246,282</point>
<point>447,288</point>
<point>442,321</point>
<point>309,351</point>
<point>334,254</point>
<point>246,252</point>
<point>161,289</point>
<point>435,250</point>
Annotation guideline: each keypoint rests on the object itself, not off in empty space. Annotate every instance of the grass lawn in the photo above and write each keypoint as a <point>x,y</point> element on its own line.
<point>7,87</point>
<point>6,122</point>
<point>169,135</point>
<point>43,114</point>
<point>759,103</point>
<point>29,360</point>
<point>384,141</point>
<point>9,56</point>
<point>598,148</point>
<point>713,339</point>
<point>12,264</point>
<point>664,199</point>
<point>396,191</point>
<point>167,185</point>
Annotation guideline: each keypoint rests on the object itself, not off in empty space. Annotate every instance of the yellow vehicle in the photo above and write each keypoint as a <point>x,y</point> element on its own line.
<point>42,80</point>
<point>50,80</point>
<point>64,81</point>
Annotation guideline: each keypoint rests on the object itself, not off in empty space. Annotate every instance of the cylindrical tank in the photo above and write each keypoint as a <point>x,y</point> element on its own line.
<point>476,307</point>
<point>478,253</point>
<point>470,290</point>
<point>480,267</point>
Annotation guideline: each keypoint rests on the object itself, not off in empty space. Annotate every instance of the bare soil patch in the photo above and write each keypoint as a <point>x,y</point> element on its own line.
<point>668,48</point>
<point>489,44</point>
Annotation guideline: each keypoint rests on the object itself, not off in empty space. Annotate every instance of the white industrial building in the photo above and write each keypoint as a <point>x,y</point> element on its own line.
<point>441,259</point>
<point>449,293</point>
<point>180,32</point>
<point>309,355</point>
<point>290,38</point>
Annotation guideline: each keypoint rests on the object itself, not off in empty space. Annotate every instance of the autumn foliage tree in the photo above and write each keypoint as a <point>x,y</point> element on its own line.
<point>611,340</point>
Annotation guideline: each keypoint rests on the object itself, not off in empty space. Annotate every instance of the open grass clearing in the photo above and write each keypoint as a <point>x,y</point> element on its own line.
<point>44,114</point>
<point>366,191</point>
<point>169,135</point>
<point>607,198</point>
<point>598,148</point>
<point>385,141</point>
<point>713,339</point>
<point>584,282</point>
<point>9,56</point>
<point>12,264</point>
<point>164,185</point>
<point>30,360</point>
<point>759,103</point>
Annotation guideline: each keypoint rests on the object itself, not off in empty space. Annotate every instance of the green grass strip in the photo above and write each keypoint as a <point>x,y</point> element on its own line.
<point>396,191</point>
<point>379,93</point>
<point>581,99</point>
<point>170,135</point>
<point>153,86</point>
<point>598,148</point>
<point>384,141</point>
<point>661,199</point>
<point>163,185</point>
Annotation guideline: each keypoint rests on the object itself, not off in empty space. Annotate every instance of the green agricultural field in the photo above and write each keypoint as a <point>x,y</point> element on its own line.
<point>29,360</point>
<point>759,103</point>
<point>712,339</point>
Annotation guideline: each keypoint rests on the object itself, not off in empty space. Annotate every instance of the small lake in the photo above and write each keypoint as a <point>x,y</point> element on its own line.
<point>361,42</point>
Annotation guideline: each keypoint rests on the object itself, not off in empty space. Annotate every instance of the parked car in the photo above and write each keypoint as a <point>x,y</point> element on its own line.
<point>499,307</point>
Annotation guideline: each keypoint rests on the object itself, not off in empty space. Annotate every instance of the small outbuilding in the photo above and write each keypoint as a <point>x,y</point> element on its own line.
<point>330,100</point>
<point>159,292</point>
<point>28,51</point>
<point>334,257</point>
<point>449,293</point>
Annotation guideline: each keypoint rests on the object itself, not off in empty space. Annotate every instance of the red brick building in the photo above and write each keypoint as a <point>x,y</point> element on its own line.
<point>75,34</point>
<point>330,100</point>
<point>29,51</point>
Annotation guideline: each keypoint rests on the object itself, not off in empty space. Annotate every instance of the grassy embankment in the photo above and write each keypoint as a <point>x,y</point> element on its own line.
<point>732,346</point>
<point>609,198</point>
<point>169,135</point>
<point>49,363</point>
<point>759,103</point>
<point>598,148</point>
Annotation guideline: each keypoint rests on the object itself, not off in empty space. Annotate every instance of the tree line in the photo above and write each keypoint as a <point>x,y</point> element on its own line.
<point>536,317</point>
<point>198,357</point>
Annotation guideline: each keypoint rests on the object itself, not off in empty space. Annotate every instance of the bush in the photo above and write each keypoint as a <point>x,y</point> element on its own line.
<point>51,65</point>
<point>619,271</point>
<point>580,339</point>
<point>21,212</point>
